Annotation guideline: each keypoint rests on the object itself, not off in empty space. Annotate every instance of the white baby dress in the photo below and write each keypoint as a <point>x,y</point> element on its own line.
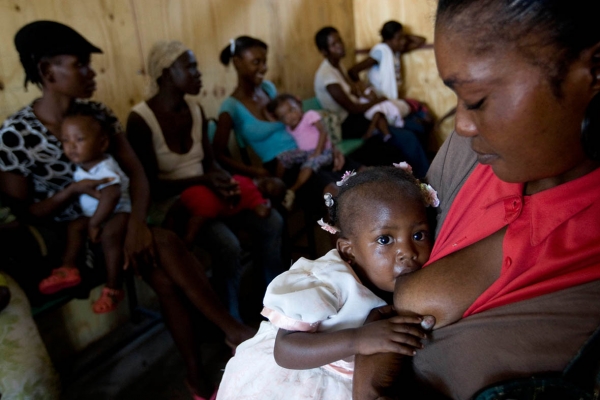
<point>313,296</point>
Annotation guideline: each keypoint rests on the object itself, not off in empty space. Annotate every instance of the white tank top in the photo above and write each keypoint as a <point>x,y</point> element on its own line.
<point>173,165</point>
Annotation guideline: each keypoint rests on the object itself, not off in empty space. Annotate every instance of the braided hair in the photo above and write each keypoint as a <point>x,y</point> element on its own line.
<point>381,181</point>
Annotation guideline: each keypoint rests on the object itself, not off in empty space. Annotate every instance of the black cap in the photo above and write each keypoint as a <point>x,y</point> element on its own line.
<point>49,38</point>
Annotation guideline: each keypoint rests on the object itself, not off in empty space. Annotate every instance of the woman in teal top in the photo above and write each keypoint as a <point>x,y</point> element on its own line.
<point>245,113</point>
<point>267,139</point>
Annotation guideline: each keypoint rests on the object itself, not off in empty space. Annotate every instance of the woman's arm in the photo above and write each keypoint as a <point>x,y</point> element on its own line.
<point>16,187</point>
<point>139,247</point>
<point>139,187</point>
<point>303,350</point>
<point>221,141</point>
<point>215,177</point>
<point>361,66</point>
<point>412,42</point>
<point>338,94</point>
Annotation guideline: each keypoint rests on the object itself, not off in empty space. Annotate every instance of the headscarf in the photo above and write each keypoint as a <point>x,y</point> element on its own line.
<point>162,55</point>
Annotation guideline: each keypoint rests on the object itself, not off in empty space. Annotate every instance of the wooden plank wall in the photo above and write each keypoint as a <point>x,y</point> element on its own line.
<point>421,80</point>
<point>126,29</point>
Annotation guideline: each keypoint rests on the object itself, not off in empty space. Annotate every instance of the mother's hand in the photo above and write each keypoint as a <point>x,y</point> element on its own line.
<point>220,182</point>
<point>88,186</point>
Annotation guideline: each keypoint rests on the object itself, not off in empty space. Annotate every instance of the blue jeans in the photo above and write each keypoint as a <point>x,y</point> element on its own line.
<point>407,142</point>
<point>226,251</point>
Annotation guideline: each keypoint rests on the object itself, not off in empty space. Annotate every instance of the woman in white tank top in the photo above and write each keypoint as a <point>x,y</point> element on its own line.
<point>168,133</point>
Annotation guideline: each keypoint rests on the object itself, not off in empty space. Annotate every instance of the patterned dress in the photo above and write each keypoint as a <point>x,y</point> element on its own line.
<point>27,148</point>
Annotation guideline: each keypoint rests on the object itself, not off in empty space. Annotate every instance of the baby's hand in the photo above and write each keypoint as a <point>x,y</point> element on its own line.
<point>400,334</point>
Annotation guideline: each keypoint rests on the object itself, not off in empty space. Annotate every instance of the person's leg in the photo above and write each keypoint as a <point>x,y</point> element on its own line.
<point>67,275</point>
<point>226,252</point>
<point>75,243</point>
<point>279,169</point>
<point>266,241</point>
<point>382,125</point>
<point>303,177</point>
<point>178,314</point>
<point>112,239</point>
<point>355,126</point>
<point>186,272</point>
<point>410,146</point>
<point>194,225</point>
<point>372,127</point>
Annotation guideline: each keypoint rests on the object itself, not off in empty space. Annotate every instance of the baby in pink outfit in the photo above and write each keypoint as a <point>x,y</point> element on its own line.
<point>314,146</point>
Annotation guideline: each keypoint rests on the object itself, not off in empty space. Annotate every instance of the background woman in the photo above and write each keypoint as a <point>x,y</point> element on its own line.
<point>516,258</point>
<point>385,75</point>
<point>245,112</point>
<point>37,177</point>
<point>168,132</point>
<point>337,93</point>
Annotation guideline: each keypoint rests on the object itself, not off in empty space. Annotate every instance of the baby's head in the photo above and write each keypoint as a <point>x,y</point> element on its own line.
<point>84,134</point>
<point>381,217</point>
<point>286,108</point>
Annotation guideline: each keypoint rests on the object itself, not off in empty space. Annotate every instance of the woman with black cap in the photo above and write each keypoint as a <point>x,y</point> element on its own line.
<point>37,176</point>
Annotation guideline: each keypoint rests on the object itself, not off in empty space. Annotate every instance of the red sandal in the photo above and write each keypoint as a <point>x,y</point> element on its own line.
<point>109,300</point>
<point>61,278</point>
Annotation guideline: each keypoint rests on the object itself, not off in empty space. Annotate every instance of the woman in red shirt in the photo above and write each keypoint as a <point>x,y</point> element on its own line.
<point>514,277</point>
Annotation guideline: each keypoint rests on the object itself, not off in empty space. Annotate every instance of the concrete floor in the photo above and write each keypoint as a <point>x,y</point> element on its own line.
<point>139,361</point>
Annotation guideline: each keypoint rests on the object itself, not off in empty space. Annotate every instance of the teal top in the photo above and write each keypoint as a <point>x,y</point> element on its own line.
<point>267,139</point>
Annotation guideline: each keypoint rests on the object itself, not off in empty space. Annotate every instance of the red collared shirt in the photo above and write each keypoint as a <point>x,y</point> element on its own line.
<point>552,241</point>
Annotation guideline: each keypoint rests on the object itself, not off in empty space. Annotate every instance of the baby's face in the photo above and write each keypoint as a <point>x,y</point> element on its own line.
<point>82,139</point>
<point>290,113</point>
<point>391,238</point>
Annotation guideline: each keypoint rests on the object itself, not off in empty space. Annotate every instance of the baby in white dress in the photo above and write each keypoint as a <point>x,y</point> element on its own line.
<point>317,309</point>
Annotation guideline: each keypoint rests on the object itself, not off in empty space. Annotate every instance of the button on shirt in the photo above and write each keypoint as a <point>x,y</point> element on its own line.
<point>552,241</point>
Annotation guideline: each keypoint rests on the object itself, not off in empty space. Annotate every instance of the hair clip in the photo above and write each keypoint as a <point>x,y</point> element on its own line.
<point>328,199</point>
<point>232,46</point>
<point>347,175</point>
<point>431,197</point>
<point>326,227</point>
<point>404,165</point>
